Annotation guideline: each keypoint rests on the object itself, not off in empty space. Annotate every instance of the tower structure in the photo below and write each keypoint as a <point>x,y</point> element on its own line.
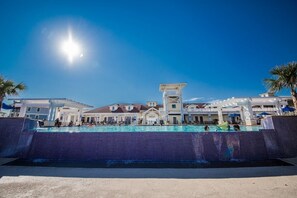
<point>173,102</point>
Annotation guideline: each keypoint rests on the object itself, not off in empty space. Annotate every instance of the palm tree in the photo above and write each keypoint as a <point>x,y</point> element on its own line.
<point>284,76</point>
<point>8,87</point>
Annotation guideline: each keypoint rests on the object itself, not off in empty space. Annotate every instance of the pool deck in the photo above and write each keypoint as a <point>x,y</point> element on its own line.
<point>19,181</point>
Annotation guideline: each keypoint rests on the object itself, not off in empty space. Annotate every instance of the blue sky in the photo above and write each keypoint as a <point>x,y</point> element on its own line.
<point>220,48</point>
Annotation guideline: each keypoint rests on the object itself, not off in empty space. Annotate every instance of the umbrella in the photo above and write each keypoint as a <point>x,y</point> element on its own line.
<point>288,109</point>
<point>5,106</point>
<point>232,115</point>
<point>263,114</point>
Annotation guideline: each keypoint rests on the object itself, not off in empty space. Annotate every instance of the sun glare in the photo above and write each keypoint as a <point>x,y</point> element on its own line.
<point>71,49</point>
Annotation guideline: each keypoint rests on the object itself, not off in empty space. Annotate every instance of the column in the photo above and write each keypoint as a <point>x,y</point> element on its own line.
<point>248,114</point>
<point>50,112</point>
<point>220,115</point>
<point>53,116</point>
<point>181,106</point>
<point>79,111</point>
<point>278,108</point>
<point>209,117</point>
<point>23,110</point>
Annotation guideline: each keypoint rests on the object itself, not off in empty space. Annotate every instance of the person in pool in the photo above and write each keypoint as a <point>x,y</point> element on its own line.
<point>206,128</point>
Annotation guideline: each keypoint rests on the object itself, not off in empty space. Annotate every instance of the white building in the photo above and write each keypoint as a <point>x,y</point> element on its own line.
<point>248,108</point>
<point>125,114</point>
<point>49,109</point>
<point>172,111</point>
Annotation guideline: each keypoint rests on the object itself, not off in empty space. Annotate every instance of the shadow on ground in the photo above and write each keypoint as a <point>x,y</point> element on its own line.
<point>116,169</point>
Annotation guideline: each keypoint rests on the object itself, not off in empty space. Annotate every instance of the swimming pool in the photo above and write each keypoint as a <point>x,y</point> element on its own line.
<point>184,128</point>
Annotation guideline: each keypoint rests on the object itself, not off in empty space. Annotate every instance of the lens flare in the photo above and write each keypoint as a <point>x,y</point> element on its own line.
<point>71,49</point>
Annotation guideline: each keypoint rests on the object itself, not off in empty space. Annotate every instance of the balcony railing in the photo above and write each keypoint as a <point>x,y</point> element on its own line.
<point>210,110</point>
<point>265,109</point>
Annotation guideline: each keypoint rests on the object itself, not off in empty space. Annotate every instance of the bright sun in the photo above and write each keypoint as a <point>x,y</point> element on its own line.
<point>71,49</point>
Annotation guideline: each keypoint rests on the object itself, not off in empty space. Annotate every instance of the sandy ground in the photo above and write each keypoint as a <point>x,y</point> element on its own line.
<point>28,186</point>
<point>94,182</point>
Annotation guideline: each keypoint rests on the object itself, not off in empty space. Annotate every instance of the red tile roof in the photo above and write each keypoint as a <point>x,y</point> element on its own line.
<point>136,108</point>
<point>121,109</point>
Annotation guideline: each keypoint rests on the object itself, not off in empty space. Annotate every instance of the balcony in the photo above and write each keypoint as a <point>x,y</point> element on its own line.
<point>227,110</point>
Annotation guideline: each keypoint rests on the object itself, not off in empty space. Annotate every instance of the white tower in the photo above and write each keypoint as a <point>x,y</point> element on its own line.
<point>173,102</point>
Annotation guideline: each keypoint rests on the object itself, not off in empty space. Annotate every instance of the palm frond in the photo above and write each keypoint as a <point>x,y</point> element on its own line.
<point>284,76</point>
<point>8,87</point>
<point>273,85</point>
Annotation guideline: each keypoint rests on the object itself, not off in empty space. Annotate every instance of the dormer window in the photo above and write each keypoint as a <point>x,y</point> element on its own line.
<point>129,107</point>
<point>113,107</point>
<point>151,104</point>
<point>192,107</point>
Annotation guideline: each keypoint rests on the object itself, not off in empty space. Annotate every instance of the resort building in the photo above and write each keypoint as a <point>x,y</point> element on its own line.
<point>125,114</point>
<point>247,110</point>
<point>173,111</point>
<point>49,109</point>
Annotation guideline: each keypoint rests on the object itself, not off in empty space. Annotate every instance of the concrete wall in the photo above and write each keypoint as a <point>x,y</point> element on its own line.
<point>15,137</point>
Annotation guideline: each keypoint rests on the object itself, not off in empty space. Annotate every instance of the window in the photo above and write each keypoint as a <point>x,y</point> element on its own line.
<point>38,109</point>
<point>113,107</point>
<point>129,107</point>
<point>43,117</point>
<point>174,106</point>
<point>29,109</point>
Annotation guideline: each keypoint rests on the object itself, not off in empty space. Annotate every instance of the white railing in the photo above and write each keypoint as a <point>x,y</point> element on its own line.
<point>211,110</point>
<point>265,109</point>
<point>203,110</point>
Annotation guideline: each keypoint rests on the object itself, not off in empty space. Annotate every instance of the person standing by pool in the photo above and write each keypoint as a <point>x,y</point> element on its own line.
<point>236,127</point>
<point>57,123</point>
<point>70,123</point>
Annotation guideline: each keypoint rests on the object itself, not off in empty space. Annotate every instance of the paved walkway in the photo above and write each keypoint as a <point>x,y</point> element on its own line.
<point>93,182</point>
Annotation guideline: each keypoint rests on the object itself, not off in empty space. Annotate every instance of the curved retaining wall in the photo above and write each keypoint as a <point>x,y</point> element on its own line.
<point>15,137</point>
<point>286,131</point>
<point>155,146</point>
<point>17,141</point>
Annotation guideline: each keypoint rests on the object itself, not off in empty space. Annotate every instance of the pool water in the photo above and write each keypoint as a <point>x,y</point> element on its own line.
<point>185,128</point>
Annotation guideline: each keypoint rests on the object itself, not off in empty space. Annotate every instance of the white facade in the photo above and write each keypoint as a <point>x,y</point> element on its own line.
<point>248,108</point>
<point>173,112</point>
<point>49,109</point>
